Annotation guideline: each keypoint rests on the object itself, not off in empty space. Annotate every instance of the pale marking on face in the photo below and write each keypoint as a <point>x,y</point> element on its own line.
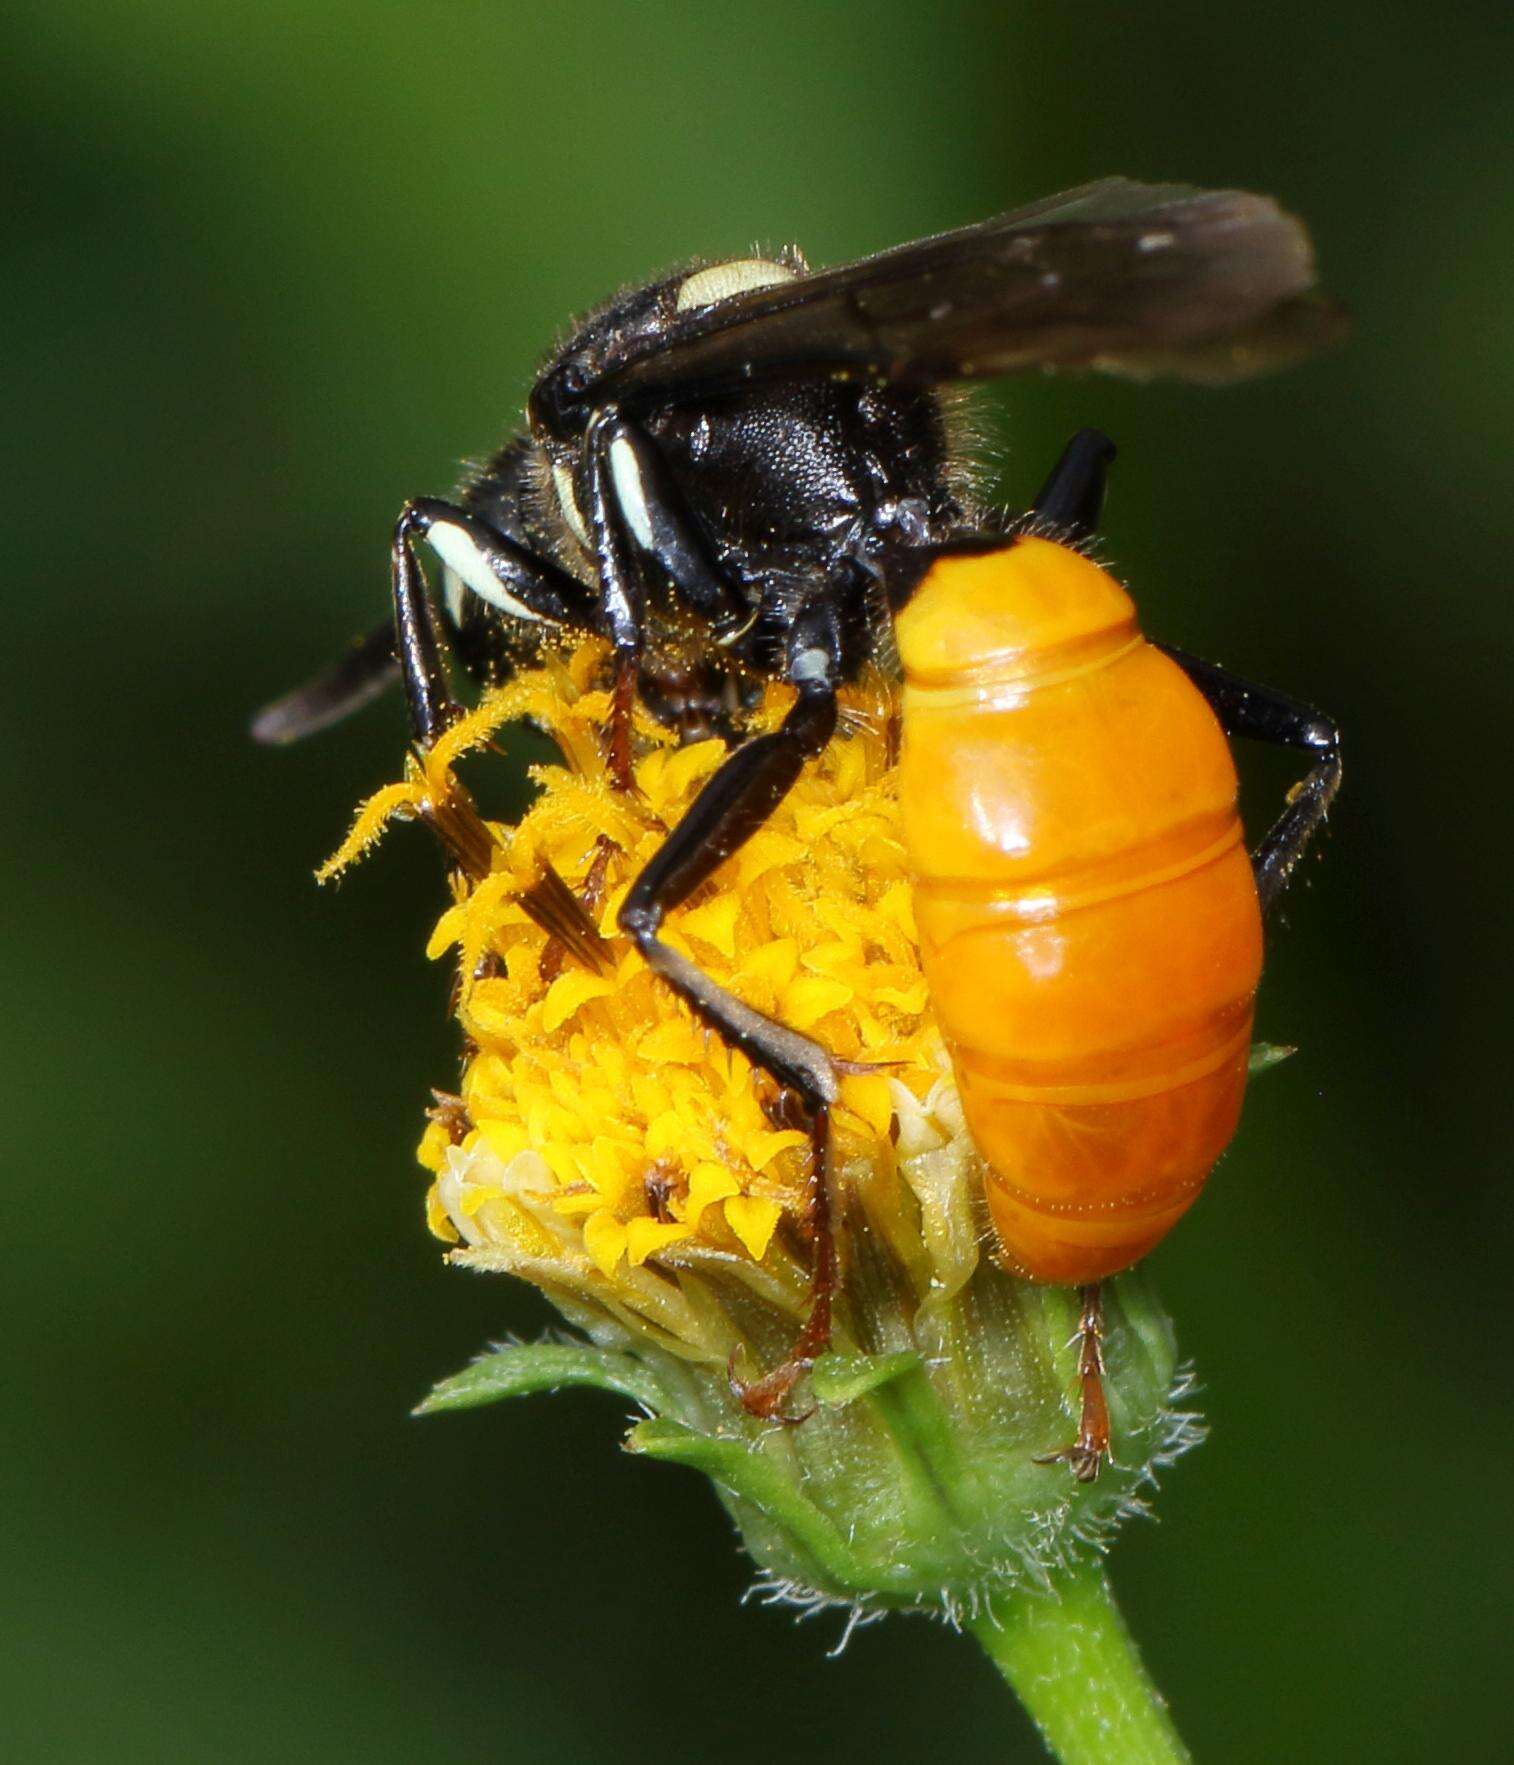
<point>629,491</point>
<point>721,281</point>
<point>567,501</point>
<point>460,555</point>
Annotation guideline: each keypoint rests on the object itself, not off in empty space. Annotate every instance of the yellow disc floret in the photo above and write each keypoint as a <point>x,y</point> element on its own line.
<point>603,1139</point>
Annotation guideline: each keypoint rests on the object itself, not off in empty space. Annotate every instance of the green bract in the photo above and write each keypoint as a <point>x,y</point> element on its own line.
<point>912,1481</point>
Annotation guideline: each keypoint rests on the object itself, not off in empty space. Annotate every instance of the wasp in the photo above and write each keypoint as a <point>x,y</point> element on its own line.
<point>750,470</point>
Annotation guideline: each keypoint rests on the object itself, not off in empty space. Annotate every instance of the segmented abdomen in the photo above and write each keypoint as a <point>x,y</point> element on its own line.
<point>1088,920</point>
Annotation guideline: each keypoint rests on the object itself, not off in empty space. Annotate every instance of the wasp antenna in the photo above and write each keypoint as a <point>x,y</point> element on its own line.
<point>367,668</point>
<point>1073,495</point>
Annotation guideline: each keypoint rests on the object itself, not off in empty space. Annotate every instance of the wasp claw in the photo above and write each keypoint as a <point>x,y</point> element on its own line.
<point>1082,1458</point>
<point>764,1397</point>
<point>1091,1447</point>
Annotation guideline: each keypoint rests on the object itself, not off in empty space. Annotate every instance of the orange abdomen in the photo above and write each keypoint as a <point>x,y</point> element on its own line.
<point>1088,921</point>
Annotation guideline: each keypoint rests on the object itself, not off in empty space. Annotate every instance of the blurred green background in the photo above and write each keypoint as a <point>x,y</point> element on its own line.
<point>268,270</point>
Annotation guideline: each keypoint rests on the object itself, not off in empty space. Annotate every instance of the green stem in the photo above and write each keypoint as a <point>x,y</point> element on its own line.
<point>1073,1665</point>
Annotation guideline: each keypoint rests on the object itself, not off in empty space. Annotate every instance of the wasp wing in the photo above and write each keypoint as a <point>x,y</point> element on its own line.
<point>1128,278</point>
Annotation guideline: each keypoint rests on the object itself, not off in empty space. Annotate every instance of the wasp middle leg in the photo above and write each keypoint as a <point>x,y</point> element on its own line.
<point>733,804</point>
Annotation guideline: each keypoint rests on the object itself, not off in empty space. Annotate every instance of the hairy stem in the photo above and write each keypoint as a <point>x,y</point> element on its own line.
<point>1073,1665</point>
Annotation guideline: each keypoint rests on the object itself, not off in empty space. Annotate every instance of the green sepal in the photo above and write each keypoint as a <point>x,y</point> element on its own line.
<point>838,1378</point>
<point>758,1478</point>
<point>520,1368</point>
<point>1266,1055</point>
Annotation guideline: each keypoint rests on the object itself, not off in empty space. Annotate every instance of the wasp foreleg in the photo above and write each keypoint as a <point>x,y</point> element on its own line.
<point>636,511</point>
<point>622,598</point>
<point>499,571</point>
<point>660,525</point>
<point>508,577</point>
<point>417,641</point>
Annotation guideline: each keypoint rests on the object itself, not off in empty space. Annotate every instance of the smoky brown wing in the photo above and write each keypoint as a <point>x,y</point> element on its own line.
<point>1128,278</point>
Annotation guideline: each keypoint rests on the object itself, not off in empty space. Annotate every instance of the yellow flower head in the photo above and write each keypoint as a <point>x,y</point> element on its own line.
<point>605,1140</point>
<point>607,1147</point>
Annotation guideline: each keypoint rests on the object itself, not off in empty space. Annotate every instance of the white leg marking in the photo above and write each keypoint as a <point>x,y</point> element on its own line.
<point>567,501</point>
<point>461,556</point>
<point>810,665</point>
<point>629,492</point>
<point>453,590</point>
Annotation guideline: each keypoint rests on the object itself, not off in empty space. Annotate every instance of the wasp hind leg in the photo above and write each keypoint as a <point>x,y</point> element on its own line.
<point>1262,713</point>
<point>1070,501</point>
<point>734,802</point>
<point>1084,1456</point>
